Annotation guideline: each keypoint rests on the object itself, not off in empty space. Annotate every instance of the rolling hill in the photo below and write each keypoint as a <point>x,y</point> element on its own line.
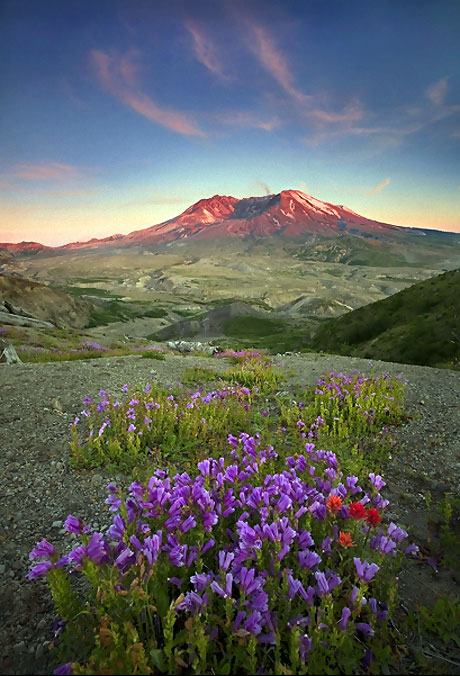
<point>419,325</point>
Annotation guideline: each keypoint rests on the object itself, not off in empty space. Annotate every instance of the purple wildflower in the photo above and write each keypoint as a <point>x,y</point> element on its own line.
<point>365,570</point>
<point>323,587</point>
<point>397,534</point>
<point>253,623</point>
<point>377,481</point>
<point>225,559</point>
<point>64,669</point>
<point>365,628</point>
<point>309,559</point>
<point>190,522</point>
<point>346,612</point>
<point>304,647</point>
<point>96,549</point>
<point>39,569</point>
<point>217,589</point>
<point>43,548</point>
<point>73,525</point>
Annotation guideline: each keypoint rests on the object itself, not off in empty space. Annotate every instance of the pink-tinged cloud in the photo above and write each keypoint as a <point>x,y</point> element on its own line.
<point>437,91</point>
<point>50,171</point>
<point>248,120</point>
<point>275,62</point>
<point>352,113</point>
<point>205,51</point>
<point>119,76</point>
<point>169,118</point>
<point>379,187</point>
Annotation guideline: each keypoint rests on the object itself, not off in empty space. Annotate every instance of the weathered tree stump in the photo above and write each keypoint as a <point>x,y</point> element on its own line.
<point>9,355</point>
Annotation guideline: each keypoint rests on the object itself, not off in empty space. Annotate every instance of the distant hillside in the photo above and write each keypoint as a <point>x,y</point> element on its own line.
<point>419,325</point>
<point>38,301</point>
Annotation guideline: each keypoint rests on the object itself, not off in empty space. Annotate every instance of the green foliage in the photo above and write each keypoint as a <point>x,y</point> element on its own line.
<point>249,326</point>
<point>196,375</point>
<point>434,635</point>
<point>419,325</point>
<point>153,354</point>
<point>175,429</point>
<point>155,313</point>
<point>187,313</point>
<point>89,291</point>
<point>442,620</point>
<point>256,372</point>
<point>355,424</point>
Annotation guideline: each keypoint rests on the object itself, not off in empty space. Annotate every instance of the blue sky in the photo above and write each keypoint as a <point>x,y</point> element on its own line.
<point>117,115</point>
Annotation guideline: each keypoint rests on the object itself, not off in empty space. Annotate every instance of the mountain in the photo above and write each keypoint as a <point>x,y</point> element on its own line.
<point>290,214</point>
<point>290,252</point>
<point>419,325</point>
<point>23,248</point>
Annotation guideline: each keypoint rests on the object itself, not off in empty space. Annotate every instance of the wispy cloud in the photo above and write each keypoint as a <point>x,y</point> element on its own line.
<point>270,56</point>
<point>390,134</point>
<point>205,50</point>
<point>248,120</point>
<point>437,91</point>
<point>119,76</point>
<point>263,46</point>
<point>48,171</point>
<point>379,187</point>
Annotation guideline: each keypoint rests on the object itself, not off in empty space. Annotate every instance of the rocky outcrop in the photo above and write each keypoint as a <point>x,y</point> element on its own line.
<point>19,320</point>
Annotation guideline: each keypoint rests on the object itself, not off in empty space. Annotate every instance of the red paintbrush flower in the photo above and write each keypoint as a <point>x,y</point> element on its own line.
<point>356,510</point>
<point>373,517</point>
<point>333,504</point>
<point>345,539</point>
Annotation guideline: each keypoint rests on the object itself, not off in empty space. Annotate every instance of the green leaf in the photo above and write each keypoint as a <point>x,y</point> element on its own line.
<point>157,658</point>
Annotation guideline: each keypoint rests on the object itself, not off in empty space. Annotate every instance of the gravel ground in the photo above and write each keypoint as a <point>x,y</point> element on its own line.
<point>40,490</point>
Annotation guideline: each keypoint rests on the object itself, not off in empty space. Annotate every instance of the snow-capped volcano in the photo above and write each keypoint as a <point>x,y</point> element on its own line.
<point>291,213</point>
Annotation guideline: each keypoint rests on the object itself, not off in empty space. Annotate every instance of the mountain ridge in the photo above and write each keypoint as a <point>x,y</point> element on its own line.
<point>290,213</point>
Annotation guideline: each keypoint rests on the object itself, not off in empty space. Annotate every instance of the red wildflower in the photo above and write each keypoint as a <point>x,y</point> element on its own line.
<point>356,510</point>
<point>373,517</point>
<point>333,504</point>
<point>345,539</point>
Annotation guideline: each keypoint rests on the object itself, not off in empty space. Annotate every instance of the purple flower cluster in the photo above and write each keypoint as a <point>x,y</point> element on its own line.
<point>251,532</point>
<point>91,345</point>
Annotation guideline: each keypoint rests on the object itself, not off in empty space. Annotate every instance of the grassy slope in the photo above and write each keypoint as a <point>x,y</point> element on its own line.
<point>419,325</point>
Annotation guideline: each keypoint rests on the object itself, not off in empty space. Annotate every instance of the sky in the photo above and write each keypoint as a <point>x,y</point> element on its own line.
<point>119,114</point>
